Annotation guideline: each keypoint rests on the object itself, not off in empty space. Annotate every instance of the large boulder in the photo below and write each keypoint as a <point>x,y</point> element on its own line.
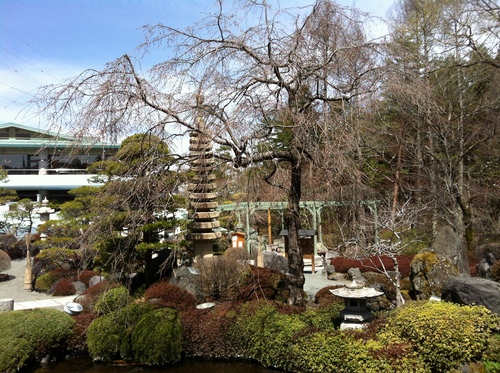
<point>448,245</point>
<point>428,275</point>
<point>275,261</point>
<point>473,291</point>
<point>187,278</point>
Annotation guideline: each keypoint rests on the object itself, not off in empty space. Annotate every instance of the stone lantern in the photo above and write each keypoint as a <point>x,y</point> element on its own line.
<point>355,313</point>
<point>44,211</point>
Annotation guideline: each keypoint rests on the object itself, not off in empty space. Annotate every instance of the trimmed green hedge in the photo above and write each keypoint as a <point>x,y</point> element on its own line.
<point>445,335</point>
<point>30,334</point>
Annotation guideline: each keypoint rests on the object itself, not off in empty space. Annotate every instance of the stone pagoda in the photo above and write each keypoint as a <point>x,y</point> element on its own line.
<point>203,229</point>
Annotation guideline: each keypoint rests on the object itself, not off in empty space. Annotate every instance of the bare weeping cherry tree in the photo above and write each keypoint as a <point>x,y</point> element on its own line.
<point>275,85</point>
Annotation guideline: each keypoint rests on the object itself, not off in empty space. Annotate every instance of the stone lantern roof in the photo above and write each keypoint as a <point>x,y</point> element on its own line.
<point>356,291</point>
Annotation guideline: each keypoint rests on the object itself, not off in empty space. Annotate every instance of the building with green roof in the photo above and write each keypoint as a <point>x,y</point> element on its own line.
<point>42,164</point>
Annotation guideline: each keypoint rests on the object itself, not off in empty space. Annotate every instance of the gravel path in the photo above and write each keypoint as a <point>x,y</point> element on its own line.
<point>14,287</point>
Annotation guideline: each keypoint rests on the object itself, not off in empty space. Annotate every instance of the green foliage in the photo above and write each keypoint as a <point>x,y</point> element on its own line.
<point>336,351</point>
<point>109,336</point>
<point>44,282</point>
<point>323,317</point>
<point>157,338</point>
<point>492,354</point>
<point>443,334</point>
<point>112,300</point>
<point>58,257</point>
<point>31,334</point>
<point>265,334</point>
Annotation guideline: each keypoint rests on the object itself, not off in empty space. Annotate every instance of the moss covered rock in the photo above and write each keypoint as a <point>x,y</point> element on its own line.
<point>429,274</point>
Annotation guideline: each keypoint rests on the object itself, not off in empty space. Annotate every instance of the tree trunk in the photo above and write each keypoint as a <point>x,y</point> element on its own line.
<point>292,219</point>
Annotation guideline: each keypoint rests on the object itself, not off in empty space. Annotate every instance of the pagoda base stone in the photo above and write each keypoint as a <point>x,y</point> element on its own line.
<point>202,249</point>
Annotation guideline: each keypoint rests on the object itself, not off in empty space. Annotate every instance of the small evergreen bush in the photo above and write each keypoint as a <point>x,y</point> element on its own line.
<point>30,334</point>
<point>206,332</point>
<point>45,282</point>
<point>157,338</point>
<point>64,287</point>
<point>91,295</point>
<point>112,300</point>
<point>443,334</point>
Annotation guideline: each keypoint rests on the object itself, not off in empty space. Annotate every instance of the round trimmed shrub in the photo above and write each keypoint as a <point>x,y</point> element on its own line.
<point>64,287</point>
<point>109,336</point>
<point>157,338</point>
<point>112,300</point>
<point>31,334</point>
<point>445,335</point>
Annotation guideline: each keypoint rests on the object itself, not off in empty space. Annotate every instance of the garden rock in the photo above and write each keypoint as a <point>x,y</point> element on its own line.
<point>94,280</point>
<point>448,245</point>
<point>337,276</point>
<point>473,291</point>
<point>356,275</point>
<point>79,287</point>
<point>329,270</point>
<point>487,254</point>
<point>187,280</point>
<point>275,261</point>
<point>429,274</point>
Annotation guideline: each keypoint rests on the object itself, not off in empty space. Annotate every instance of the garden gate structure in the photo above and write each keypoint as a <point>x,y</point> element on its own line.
<point>314,207</point>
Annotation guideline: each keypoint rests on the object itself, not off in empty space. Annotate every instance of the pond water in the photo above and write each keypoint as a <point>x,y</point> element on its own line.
<point>85,365</point>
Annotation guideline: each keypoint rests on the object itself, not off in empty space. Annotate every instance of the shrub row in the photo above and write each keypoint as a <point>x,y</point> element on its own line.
<point>343,264</point>
<point>420,337</point>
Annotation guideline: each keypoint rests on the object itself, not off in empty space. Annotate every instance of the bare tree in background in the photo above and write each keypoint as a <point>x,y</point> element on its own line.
<point>275,84</point>
<point>391,242</point>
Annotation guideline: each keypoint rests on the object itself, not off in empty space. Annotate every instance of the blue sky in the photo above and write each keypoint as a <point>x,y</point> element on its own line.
<point>45,41</point>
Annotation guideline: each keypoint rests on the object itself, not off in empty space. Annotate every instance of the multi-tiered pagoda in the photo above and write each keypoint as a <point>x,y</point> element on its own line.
<point>203,229</point>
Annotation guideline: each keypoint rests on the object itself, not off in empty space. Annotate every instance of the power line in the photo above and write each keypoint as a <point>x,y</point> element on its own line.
<point>29,45</point>
<point>33,80</point>
<point>29,63</point>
